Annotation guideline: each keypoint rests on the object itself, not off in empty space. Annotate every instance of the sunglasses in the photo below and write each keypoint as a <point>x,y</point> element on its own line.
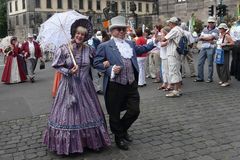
<point>119,29</point>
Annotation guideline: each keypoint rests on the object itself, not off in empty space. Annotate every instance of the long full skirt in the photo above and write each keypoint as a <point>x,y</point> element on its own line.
<point>13,71</point>
<point>76,120</point>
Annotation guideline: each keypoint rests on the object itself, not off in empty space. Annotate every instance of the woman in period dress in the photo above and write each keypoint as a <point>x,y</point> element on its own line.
<point>76,120</point>
<point>13,71</point>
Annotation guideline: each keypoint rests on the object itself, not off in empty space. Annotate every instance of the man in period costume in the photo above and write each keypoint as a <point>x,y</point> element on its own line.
<point>32,52</point>
<point>120,79</point>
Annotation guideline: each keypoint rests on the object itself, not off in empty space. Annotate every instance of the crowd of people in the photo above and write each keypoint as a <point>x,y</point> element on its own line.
<point>20,60</point>
<point>122,60</point>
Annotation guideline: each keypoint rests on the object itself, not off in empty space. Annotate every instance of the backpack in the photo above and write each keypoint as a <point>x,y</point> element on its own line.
<point>182,46</point>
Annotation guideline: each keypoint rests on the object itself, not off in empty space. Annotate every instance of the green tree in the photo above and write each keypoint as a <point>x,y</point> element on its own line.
<point>229,20</point>
<point>3,18</point>
<point>198,27</point>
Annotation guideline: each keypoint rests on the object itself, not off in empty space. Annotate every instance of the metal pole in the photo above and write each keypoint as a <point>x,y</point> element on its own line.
<point>221,17</point>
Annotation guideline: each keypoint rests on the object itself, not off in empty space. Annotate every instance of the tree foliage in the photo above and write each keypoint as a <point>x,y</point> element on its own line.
<point>3,18</point>
<point>229,20</point>
<point>198,27</point>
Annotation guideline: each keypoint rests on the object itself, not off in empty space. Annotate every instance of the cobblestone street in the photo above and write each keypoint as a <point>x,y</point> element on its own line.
<point>201,125</point>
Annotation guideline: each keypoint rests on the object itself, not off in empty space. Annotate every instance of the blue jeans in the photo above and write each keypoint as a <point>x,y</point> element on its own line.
<point>205,53</point>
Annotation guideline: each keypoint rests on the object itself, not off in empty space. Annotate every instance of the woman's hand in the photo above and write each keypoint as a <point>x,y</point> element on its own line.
<point>106,64</point>
<point>41,59</point>
<point>116,69</point>
<point>74,69</point>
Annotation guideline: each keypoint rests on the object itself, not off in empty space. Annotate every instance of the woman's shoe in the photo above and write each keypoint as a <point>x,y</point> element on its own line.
<point>225,84</point>
<point>220,82</point>
<point>173,94</point>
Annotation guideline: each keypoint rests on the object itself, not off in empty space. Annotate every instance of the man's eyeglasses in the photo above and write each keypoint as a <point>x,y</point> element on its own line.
<point>119,29</point>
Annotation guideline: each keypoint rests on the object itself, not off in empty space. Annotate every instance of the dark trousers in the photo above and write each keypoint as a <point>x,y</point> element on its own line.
<point>118,98</point>
<point>223,69</point>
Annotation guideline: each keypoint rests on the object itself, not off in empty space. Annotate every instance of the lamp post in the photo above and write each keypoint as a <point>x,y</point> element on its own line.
<point>123,8</point>
<point>133,17</point>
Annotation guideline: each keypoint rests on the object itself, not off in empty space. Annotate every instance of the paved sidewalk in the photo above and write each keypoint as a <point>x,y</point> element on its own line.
<point>204,124</point>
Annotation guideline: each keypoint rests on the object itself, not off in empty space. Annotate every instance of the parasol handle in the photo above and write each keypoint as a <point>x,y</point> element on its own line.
<point>71,54</point>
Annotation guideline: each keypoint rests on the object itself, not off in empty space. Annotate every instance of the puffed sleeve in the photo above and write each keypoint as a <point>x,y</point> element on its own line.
<point>59,62</point>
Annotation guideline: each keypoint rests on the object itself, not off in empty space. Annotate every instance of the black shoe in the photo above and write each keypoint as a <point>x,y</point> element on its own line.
<point>128,138</point>
<point>198,80</point>
<point>100,92</point>
<point>32,80</point>
<point>121,144</point>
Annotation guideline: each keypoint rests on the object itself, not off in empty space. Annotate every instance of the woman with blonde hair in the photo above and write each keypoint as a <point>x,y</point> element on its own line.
<point>76,120</point>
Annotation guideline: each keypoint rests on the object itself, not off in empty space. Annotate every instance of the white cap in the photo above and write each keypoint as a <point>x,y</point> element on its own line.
<point>223,26</point>
<point>173,20</point>
<point>211,19</point>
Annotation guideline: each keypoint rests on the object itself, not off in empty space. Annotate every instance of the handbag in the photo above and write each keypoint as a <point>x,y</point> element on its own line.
<point>226,47</point>
<point>42,65</point>
<point>219,59</point>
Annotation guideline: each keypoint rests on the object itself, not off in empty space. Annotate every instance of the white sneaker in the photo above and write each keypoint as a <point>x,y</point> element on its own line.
<point>173,94</point>
<point>225,84</point>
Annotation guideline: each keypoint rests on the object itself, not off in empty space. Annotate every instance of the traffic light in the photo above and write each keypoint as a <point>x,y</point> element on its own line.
<point>210,10</point>
<point>224,10</point>
<point>219,10</point>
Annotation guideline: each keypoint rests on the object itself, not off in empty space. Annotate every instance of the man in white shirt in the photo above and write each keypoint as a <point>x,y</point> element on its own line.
<point>120,79</point>
<point>174,58</point>
<point>32,52</point>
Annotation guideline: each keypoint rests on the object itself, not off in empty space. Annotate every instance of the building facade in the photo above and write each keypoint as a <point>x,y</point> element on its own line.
<point>26,16</point>
<point>185,8</point>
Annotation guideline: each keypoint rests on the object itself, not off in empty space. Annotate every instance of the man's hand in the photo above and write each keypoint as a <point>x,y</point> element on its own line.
<point>74,69</point>
<point>116,69</point>
<point>106,64</point>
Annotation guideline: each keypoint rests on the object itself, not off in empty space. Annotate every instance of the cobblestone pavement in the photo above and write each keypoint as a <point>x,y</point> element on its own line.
<point>204,124</point>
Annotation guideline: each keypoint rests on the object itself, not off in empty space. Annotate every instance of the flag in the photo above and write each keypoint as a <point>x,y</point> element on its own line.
<point>192,23</point>
<point>238,10</point>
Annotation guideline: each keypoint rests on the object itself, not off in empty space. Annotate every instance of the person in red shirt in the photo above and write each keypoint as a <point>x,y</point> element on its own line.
<point>13,71</point>
<point>140,40</point>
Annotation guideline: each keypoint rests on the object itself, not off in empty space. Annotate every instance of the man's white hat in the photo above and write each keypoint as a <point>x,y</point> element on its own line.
<point>118,21</point>
<point>223,26</point>
<point>173,20</point>
<point>29,35</point>
<point>211,19</point>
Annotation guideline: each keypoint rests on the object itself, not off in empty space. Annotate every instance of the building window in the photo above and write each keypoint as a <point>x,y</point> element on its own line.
<point>81,4</point>
<point>181,0</point>
<point>139,7</point>
<point>10,24</point>
<point>69,4</point>
<point>24,19</point>
<point>49,4</point>
<point>89,4</point>
<point>59,3</point>
<point>16,6</point>
<point>10,7</point>
<point>98,5</point>
<point>17,21</point>
<point>37,4</point>
<point>23,4</point>
<point>108,3</point>
<point>147,7</point>
<point>123,4</point>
